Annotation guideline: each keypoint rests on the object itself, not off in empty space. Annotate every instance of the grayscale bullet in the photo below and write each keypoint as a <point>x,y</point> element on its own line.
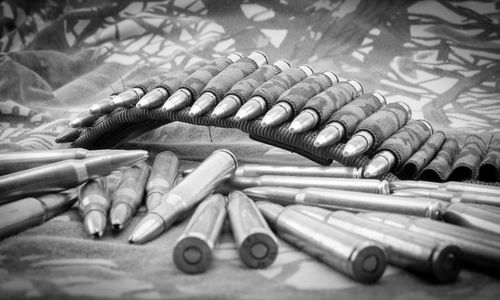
<point>363,260</point>
<point>29,212</point>
<point>94,206</point>
<point>451,186</point>
<point>252,170</point>
<point>480,248</point>
<point>333,199</point>
<point>257,246</point>
<point>453,197</point>
<point>68,135</point>
<point>102,107</point>
<point>11,162</point>
<point>128,195</point>
<point>257,105</point>
<point>232,102</point>
<point>362,185</point>
<point>162,178</point>
<point>83,119</point>
<point>194,248</point>
<point>309,118</point>
<point>127,98</point>
<point>438,260</point>
<point>216,168</point>
<point>472,217</point>
<point>62,175</point>
<point>361,107</point>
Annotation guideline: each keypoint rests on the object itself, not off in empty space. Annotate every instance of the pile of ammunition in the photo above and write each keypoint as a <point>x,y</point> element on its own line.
<point>356,226</point>
<point>344,216</point>
<point>319,115</point>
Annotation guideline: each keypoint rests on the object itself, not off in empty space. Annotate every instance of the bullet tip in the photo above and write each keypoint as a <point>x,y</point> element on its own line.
<point>217,113</point>
<point>140,105</point>
<point>94,224</point>
<point>73,124</point>
<point>295,127</point>
<point>349,150</point>
<point>94,109</point>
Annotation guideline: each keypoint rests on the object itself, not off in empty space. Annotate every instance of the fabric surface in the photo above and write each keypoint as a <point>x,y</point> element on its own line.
<point>58,57</point>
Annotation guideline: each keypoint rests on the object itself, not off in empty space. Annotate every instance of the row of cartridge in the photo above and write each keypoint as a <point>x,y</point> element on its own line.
<point>248,89</point>
<point>356,226</point>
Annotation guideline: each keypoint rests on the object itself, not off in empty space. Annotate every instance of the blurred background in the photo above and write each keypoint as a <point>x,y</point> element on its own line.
<point>440,57</point>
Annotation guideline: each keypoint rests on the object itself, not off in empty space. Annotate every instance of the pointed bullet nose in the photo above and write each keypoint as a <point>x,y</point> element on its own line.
<point>204,103</point>
<point>228,106</point>
<point>181,98</point>
<point>74,123</point>
<point>94,224</point>
<point>376,167</point>
<point>149,228</point>
<point>349,150</point>
<point>320,141</point>
<point>94,109</point>
<point>120,216</point>
<point>295,127</point>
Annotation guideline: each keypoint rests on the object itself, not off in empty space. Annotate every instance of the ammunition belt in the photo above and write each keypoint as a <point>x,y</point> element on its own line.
<point>122,124</point>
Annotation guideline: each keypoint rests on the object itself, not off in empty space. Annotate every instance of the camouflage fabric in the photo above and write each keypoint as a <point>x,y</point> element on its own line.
<point>355,112</point>
<point>243,89</point>
<point>58,57</point>
<point>273,88</point>
<point>406,141</point>
<point>440,167</point>
<point>385,122</point>
<point>422,157</point>
<point>489,170</point>
<point>298,94</point>
<point>331,99</point>
<point>224,81</point>
<point>468,159</point>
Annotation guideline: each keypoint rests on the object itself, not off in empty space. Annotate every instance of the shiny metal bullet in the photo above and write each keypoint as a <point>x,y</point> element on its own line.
<point>153,99</point>
<point>362,185</point>
<point>218,167</point>
<point>451,186</point>
<point>257,245</point>
<point>232,102</point>
<point>128,195</point>
<point>480,248</point>
<point>162,178</point>
<point>333,199</point>
<point>183,96</point>
<point>11,162</point>
<point>68,135</point>
<point>208,100</point>
<point>472,217</point>
<point>408,250</point>
<point>60,176</point>
<point>335,131</point>
<point>127,98</point>
<point>83,119</point>
<point>257,105</point>
<point>363,260</point>
<point>453,197</point>
<point>193,250</point>
<point>385,160</point>
<point>29,212</point>
<point>309,118</point>
<point>363,140</point>
<point>94,206</point>
<point>102,107</point>
<point>249,170</point>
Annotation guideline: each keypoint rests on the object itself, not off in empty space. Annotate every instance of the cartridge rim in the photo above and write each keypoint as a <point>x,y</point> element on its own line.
<point>369,261</point>
<point>192,255</point>
<point>446,263</point>
<point>258,250</point>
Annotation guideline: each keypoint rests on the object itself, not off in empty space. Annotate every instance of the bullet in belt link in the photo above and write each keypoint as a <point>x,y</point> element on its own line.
<point>183,96</point>
<point>102,107</point>
<point>208,99</point>
<point>232,102</point>
<point>257,105</point>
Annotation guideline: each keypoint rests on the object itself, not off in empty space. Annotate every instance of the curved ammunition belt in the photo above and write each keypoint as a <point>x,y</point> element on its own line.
<point>124,123</point>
